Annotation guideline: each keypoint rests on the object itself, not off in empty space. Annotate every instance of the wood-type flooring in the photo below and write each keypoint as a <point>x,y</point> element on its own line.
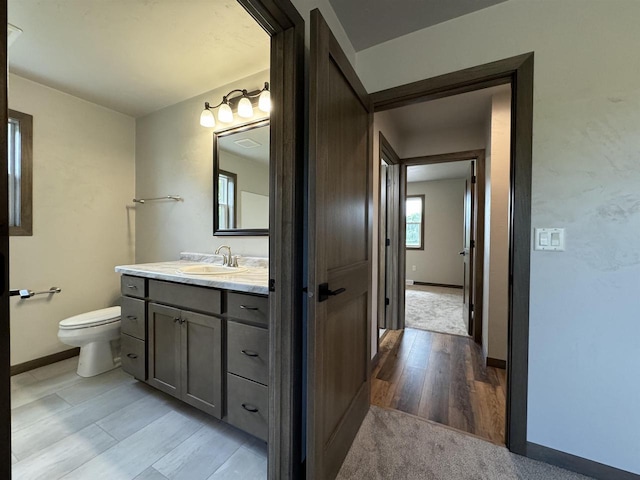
<point>442,378</point>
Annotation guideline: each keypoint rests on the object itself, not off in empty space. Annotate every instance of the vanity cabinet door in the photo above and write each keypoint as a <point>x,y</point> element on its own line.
<point>163,337</point>
<point>202,362</point>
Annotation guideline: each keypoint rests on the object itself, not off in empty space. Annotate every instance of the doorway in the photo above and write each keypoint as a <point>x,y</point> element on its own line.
<point>401,378</point>
<point>284,28</point>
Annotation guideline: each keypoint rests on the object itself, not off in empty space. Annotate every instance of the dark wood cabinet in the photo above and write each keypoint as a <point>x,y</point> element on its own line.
<point>204,346</point>
<point>185,356</point>
<point>163,341</point>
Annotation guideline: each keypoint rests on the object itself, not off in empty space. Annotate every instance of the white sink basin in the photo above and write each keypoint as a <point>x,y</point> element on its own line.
<point>211,270</point>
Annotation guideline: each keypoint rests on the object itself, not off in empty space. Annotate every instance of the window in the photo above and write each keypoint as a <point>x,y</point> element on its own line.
<point>20,141</point>
<point>226,200</point>
<point>415,222</point>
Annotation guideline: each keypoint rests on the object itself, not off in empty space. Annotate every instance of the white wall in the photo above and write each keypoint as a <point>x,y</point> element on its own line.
<point>174,157</point>
<point>440,261</point>
<point>495,294</point>
<point>83,178</point>
<point>583,357</point>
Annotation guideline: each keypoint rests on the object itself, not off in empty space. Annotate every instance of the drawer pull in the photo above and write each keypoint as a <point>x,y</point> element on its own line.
<point>247,307</point>
<point>132,317</point>
<point>250,408</point>
<point>250,353</point>
<point>132,355</point>
<point>133,287</point>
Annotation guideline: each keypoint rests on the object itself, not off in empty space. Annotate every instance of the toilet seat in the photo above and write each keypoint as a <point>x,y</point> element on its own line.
<point>95,318</point>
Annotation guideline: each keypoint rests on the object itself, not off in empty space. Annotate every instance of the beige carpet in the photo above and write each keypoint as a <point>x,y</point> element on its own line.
<point>392,445</point>
<point>438,309</point>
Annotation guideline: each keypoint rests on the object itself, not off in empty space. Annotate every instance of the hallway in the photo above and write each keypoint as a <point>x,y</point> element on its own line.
<point>442,378</point>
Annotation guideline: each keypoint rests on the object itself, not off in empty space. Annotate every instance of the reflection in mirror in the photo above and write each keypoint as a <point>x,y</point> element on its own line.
<point>241,180</point>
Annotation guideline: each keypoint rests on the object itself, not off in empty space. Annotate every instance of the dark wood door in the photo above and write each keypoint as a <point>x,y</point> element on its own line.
<point>468,250</point>
<point>163,337</point>
<point>340,204</point>
<point>201,362</point>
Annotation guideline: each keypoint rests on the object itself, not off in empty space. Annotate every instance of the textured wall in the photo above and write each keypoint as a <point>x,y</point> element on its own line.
<point>174,156</point>
<point>83,179</point>
<point>583,354</point>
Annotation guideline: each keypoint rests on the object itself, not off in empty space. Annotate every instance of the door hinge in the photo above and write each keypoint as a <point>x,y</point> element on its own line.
<point>473,179</point>
<point>473,244</point>
<point>387,301</point>
<point>272,284</point>
<point>387,242</point>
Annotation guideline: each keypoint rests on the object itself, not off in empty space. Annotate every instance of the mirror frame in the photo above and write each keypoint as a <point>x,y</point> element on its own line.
<point>216,171</point>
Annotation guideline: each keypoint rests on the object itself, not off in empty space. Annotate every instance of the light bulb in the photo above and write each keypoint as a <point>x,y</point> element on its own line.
<point>225,115</point>
<point>264,101</point>
<point>245,110</point>
<point>206,118</point>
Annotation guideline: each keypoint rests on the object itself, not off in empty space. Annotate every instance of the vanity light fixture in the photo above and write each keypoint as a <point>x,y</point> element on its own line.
<point>244,103</point>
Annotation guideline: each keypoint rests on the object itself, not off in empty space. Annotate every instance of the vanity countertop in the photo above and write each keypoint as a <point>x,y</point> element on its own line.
<point>254,280</point>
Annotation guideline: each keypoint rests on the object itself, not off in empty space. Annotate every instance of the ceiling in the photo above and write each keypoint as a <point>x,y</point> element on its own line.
<point>370,22</point>
<point>458,111</point>
<point>438,171</point>
<point>252,144</point>
<point>136,56</point>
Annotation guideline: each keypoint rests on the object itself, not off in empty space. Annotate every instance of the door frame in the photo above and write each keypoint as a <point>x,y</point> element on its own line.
<point>393,253</point>
<point>283,23</point>
<point>478,224</point>
<point>5,342</point>
<point>281,20</point>
<point>517,71</point>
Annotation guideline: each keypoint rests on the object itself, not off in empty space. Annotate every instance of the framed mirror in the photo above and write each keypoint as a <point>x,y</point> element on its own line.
<point>241,180</point>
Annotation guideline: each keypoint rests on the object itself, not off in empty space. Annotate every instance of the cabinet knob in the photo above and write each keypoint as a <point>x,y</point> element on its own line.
<point>250,408</point>
<point>247,307</point>
<point>176,319</point>
<point>132,355</point>
<point>250,353</point>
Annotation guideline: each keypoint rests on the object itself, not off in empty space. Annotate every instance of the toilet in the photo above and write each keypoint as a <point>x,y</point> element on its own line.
<point>97,333</point>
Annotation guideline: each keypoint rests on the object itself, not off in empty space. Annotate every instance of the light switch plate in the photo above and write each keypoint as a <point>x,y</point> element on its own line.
<point>549,239</point>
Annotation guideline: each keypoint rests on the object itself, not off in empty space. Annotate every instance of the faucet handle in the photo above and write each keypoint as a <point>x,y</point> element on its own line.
<point>234,261</point>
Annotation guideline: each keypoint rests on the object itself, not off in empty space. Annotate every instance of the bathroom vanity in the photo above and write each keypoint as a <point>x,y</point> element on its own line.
<point>200,338</point>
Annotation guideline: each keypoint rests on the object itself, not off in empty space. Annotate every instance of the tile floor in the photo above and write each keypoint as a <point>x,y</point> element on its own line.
<point>114,427</point>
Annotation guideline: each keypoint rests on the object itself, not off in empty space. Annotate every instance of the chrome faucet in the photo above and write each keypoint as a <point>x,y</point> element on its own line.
<point>226,259</point>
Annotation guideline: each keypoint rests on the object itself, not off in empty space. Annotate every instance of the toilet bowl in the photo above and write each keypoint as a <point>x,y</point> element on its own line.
<point>97,333</point>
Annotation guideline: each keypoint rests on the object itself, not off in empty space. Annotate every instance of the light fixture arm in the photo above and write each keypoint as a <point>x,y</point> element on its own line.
<point>226,101</point>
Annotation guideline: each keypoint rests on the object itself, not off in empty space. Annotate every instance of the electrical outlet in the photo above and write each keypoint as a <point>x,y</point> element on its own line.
<point>413,268</point>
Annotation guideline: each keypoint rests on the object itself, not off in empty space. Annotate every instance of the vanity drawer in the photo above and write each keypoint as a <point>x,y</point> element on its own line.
<point>248,352</point>
<point>133,286</point>
<point>247,406</point>
<point>248,307</point>
<point>188,296</point>
<point>132,320</point>
<point>133,357</point>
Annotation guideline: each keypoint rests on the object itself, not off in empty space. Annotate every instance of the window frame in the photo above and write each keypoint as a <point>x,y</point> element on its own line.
<point>25,229</point>
<point>233,217</point>
<point>422,200</point>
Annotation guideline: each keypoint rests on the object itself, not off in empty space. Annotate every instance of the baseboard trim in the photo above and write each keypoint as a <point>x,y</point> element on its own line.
<point>375,360</point>
<point>576,464</point>
<point>497,363</point>
<point>42,361</point>
<point>429,284</point>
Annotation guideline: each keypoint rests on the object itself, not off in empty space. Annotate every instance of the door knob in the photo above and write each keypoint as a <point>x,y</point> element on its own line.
<point>463,253</point>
